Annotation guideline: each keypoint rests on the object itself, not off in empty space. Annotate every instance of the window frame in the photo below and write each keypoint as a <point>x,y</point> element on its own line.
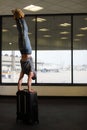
<point>43,84</point>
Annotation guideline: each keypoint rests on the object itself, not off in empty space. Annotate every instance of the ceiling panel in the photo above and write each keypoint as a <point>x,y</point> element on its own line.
<point>50,6</point>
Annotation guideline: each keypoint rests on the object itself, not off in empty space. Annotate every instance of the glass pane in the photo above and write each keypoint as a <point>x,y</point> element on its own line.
<point>10,53</point>
<point>80,49</point>
<point>54,49</point>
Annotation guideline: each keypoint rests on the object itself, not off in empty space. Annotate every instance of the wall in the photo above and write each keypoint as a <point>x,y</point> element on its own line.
<point>48,90</point>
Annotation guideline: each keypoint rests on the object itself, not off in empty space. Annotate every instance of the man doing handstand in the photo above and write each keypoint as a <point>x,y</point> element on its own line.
<point>26,61</point>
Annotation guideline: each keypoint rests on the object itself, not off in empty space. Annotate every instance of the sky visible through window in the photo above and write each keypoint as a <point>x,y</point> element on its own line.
<point>56,57</point>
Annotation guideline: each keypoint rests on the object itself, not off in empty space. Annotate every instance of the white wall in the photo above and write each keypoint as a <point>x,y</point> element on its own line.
<point>48,90</point>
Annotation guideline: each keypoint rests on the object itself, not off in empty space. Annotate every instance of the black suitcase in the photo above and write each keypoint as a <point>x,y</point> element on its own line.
<point>27,106</point>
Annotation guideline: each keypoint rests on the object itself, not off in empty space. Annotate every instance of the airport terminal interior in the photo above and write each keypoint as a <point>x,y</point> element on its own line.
<point>58,36</point>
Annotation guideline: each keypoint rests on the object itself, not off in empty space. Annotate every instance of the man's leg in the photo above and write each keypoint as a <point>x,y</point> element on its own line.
<point>20,81</point>
<point>30,82</point>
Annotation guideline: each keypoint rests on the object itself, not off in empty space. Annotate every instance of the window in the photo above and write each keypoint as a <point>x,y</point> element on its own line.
<point>59,57</point>
<point>54,49</point>
<point>80,49</point>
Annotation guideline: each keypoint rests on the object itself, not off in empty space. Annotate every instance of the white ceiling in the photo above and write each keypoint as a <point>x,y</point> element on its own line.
<point>50,6</point>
